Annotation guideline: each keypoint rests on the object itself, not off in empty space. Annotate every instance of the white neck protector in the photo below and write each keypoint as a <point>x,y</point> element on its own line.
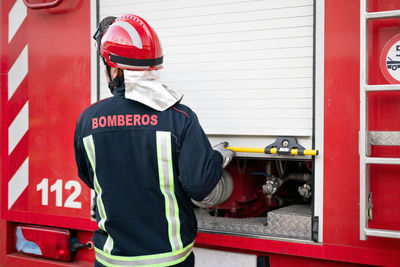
<point>145,87</point>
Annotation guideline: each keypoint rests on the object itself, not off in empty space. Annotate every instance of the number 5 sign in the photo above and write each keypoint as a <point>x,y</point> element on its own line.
<point>390,60</point>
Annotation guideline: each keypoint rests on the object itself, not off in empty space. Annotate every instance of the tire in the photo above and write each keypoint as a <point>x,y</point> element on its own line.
<point>394,67</point>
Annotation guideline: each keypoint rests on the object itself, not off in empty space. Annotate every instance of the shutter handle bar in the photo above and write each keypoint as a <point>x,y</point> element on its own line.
<point>283,145</point>
<point>43,5</point>
<point>305,152</point>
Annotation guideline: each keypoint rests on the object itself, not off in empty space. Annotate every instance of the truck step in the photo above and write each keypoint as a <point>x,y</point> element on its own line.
<point>292,222</point>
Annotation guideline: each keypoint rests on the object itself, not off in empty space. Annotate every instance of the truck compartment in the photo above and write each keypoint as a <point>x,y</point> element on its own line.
<point>262,198</point>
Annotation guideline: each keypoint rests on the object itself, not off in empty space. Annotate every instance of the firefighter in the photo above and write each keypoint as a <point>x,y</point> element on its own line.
<point>145,155</point>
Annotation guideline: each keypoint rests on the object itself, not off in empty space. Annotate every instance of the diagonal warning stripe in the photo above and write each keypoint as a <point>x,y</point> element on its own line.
<point>18,183</point>
<point>18,128</point>
<point>18,72</point>
<point>20,124</point>
<point>16,16</point>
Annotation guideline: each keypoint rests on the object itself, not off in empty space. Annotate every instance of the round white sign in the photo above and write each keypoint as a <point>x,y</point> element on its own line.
<point>390,60</point>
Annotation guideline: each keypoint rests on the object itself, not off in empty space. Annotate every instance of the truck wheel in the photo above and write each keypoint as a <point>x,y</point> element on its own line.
<point>394,67</point>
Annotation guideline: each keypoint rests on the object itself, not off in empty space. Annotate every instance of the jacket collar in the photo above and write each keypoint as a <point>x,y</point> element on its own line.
<point>147,89</point>
<point>119,91</point>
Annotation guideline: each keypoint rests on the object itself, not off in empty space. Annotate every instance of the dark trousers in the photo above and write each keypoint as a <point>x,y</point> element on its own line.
<point>189,262</point>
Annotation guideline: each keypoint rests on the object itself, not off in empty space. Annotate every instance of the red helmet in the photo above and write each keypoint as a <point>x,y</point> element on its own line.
<point>130,43</point>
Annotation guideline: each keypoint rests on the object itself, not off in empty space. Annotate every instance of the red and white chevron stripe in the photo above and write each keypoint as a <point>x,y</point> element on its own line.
<point>18,103</point>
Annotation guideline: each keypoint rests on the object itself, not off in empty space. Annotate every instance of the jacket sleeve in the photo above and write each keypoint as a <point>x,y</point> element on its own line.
<point>81,159</point>
<point>200,167</point>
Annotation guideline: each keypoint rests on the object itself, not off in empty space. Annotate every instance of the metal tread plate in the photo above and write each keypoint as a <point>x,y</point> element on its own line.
<point>288,222</point>
<point>384,138</point>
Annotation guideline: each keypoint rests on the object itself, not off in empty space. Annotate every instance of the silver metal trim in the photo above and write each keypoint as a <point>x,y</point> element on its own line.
<point>363,140</point>
<point>382,233</point>
<point>384,138</point>
<point>318,195</point>
<point>382,87</point>
<point>388,161</point>
<point>366,137</point>
<point>264,237</point>
<point>383,14</point>
<point>93,53</point>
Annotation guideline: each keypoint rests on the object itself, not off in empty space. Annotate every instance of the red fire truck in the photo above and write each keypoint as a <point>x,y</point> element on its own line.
<point>301,89</point>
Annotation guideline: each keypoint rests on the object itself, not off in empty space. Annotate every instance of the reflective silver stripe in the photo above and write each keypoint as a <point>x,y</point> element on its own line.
<point>166,179</point>
<point>109,245</point>
<point>135,37</point>
<point>163,259</point>
<point>91,153</point>
<point>90,150</point>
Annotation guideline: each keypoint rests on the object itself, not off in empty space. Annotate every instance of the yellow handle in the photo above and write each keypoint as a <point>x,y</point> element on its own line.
<point>307,152</point>
<point>246,149</point>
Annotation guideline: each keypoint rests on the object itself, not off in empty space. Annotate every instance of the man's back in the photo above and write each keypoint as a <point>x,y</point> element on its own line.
<point>144,165</point>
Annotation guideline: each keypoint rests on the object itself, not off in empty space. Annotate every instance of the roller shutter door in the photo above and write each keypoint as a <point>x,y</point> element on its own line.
<point>245,67</point>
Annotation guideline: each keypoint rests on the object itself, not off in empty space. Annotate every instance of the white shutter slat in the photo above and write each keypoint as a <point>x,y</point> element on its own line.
<point>177,9</point>
<point>245,67</point>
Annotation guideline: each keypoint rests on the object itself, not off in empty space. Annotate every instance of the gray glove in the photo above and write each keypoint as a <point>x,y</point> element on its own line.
<point>227,154</point>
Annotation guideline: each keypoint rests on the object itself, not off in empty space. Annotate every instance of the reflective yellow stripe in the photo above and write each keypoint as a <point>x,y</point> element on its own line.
<point>162,259</point>
<point>91,153</point>
<point>166,179</point>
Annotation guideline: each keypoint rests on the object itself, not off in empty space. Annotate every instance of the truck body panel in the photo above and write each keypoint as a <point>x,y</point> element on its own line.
<point>50,73</point>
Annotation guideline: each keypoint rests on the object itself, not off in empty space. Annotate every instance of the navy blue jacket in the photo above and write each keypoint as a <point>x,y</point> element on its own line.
<point>145,166</point>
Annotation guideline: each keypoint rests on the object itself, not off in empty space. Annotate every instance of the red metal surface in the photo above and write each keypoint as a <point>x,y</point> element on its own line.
<point>58,80</point>
<point>341,176</point>
<point>341,253</point>
<point>277,260</point>
<point>57,88</point>
<point>26,261</point>
<point>55,3</point>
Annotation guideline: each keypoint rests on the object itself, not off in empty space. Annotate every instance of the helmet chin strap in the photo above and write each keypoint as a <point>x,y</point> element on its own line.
<point>115,83</point>
<point>103,25</point>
